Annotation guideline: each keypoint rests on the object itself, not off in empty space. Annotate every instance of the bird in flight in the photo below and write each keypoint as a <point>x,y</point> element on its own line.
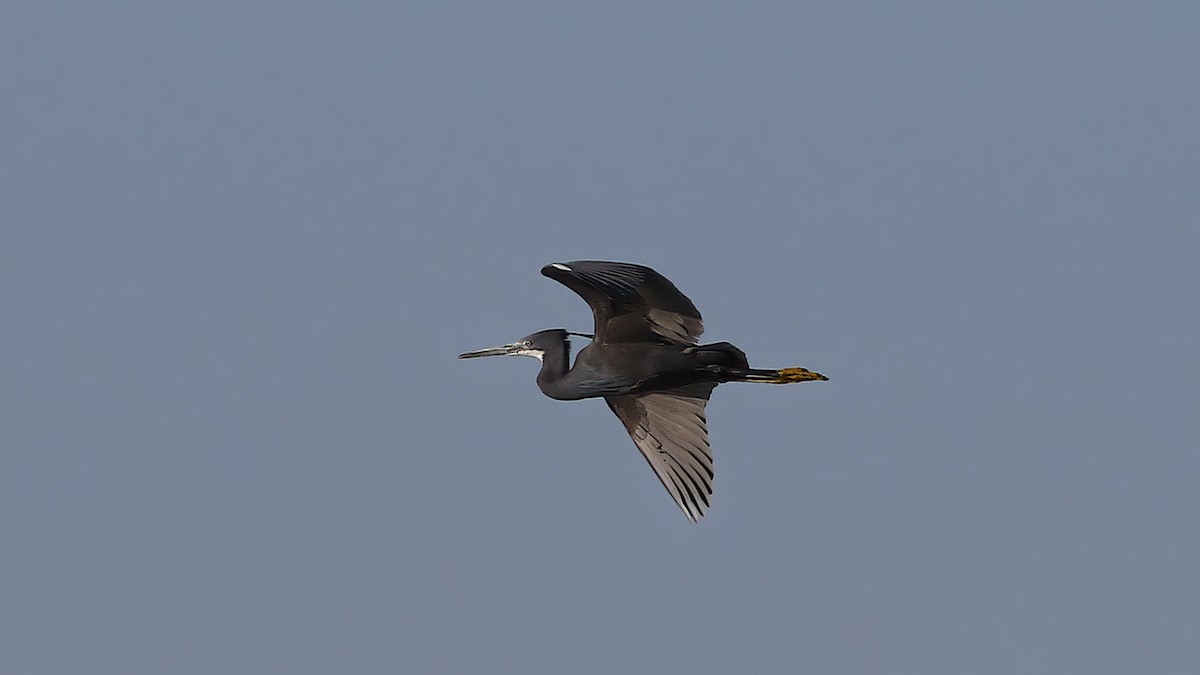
<point>644,362</point>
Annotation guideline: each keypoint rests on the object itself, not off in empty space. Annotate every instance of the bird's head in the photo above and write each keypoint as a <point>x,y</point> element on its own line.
<point>534,344</point>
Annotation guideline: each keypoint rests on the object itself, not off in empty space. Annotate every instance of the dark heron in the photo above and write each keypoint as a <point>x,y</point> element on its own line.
<point>644,361</point>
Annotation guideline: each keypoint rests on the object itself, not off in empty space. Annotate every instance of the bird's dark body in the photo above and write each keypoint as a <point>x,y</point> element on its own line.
<point>631,368</point>
<point>644,362</point>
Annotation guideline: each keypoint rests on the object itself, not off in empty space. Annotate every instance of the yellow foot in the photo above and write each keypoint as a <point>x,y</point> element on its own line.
<point>789,375</point>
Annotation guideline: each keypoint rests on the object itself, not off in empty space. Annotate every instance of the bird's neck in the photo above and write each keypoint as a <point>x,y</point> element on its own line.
<point>555,364</point>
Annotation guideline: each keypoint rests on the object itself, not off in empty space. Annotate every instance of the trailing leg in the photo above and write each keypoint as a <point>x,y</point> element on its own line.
<point>780,376</point>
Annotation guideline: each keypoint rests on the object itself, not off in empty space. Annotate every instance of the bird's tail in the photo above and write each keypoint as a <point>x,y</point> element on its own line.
<point>730,365</point>
<point>781,376</point>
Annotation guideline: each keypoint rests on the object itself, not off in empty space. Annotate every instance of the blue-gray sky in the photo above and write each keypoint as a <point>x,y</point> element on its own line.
<point>241,244</point>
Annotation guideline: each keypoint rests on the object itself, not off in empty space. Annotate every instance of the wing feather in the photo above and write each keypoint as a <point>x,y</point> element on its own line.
<point>670,430</point>
<point>630,303</point>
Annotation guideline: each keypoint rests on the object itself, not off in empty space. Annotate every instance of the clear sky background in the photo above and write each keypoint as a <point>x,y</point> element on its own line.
<point>242,243</point>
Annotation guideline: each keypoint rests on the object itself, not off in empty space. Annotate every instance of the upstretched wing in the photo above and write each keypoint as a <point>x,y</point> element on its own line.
<point>670,429</point>
<point>631,303</point>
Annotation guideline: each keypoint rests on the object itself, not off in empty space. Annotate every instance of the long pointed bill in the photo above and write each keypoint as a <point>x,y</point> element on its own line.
<point>502,350</point>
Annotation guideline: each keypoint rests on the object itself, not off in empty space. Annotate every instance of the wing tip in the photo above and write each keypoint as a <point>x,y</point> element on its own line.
<point>550,269</point>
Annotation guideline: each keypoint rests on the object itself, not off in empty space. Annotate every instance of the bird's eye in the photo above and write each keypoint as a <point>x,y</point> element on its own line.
<point>526,343</point>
